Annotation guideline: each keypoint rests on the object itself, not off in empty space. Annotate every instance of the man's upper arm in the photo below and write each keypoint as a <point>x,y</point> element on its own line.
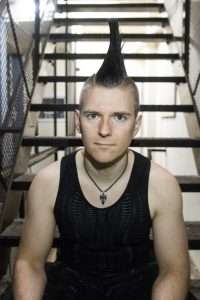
<point>169,233</point>
<point>39,227</point>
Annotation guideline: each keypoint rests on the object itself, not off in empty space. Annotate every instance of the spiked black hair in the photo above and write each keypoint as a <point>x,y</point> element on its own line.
<point>112,72</point>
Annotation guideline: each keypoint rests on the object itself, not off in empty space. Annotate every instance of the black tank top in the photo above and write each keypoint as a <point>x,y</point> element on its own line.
<point>104,240</point>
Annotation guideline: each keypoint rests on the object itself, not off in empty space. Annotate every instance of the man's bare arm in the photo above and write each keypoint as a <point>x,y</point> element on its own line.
<point>37,236</point>
<point>170,241</point>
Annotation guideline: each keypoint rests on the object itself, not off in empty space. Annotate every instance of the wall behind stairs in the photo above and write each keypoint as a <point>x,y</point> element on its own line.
<point>174,7</point>
<point>195,48</point>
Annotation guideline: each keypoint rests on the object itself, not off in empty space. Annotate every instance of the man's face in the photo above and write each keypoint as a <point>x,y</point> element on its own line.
<point>107,122</point>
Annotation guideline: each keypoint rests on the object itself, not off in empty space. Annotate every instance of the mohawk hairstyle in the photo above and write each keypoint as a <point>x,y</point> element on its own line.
<point>112,72</point>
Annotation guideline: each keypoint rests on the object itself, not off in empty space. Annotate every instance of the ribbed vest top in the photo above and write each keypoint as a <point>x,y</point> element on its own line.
<point>104,240</point>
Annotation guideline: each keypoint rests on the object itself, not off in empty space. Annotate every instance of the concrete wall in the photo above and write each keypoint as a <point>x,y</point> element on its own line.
<point>195,48</point>
<point>175,8</point>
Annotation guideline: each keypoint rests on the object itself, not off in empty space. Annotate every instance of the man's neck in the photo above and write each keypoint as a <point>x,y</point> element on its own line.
<point>104,173</point>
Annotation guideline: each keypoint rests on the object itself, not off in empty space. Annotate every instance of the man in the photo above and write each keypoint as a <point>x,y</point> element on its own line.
<point>105,198</point>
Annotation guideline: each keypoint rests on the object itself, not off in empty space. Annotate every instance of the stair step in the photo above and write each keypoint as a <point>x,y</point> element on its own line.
<point>175,79</point>
<point>187,183</point>
<point>143,107</point>
<point>147,37</point>
<point>10,130</point>
<point>70,141</point>
<point>54,56</point>
<point>113,7</point>
<point>22,183</point>
<point>193,231</point>
<point>41,156</point>
<point>102,21</point>
<point>11,235</point>
<point>195,289</point>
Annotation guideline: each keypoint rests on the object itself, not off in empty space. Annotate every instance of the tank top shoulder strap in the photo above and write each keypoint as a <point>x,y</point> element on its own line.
<point>66,164</point>
<point>67,173</point>
<point>141,170</point>
<point>140,182</point>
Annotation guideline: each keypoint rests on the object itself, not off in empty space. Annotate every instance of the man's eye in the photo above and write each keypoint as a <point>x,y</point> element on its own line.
<point>91,116</point>
<point>120,117</point>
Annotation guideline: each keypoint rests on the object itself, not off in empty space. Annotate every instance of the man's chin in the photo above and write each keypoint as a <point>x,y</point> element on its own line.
<point>103,157</point>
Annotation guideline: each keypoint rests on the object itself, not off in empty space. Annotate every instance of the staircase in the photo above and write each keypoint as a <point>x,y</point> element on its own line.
<point>62,39</point>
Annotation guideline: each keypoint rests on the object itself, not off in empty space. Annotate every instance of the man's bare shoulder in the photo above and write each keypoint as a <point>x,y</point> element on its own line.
<point>48,174</point>
<point>164,190</point>
<point>160,175</point>
<point>46,182</point>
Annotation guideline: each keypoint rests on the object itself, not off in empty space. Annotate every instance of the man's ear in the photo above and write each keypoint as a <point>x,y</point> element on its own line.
<point>77,121</point>
<point>137,125</point>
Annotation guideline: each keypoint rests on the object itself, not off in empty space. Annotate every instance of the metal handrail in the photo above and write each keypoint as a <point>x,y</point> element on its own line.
<point>24,64</point>
<point>2,6</point>
<point>187,59</point>
<point>17,48</point>
<point>187,34</point>
<point>196,85</point>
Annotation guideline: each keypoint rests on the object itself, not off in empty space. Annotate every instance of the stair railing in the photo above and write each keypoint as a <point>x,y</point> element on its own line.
<point>19,68</point>
<point>187,34</point>
<point>185,9</point>
<point>187,58</point>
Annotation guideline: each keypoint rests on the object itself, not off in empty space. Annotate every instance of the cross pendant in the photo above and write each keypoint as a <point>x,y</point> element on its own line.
<point>103,198</point>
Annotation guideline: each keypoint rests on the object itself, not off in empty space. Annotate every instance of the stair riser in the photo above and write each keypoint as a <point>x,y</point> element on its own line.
<point>46,79</point>
<point>143,108</point>
<point>186,188</point>
<point>14,242</point>
<point>71,56</point>
<point>140,142</point>
<point>139,7</point>
<point>68,37</point>
<point>104,21</point>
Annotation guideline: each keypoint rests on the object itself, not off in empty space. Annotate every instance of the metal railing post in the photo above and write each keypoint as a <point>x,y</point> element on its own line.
<point>187,35</point>
<point>36,52</point>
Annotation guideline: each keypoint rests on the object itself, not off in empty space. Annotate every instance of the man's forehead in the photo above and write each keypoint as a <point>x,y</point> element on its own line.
<point>107,106</point>
<point>97,91</point>
<point>107,97</point>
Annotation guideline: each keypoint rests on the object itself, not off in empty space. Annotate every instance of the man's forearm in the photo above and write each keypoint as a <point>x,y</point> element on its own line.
<point>29,282</point>
<point>170,286</point>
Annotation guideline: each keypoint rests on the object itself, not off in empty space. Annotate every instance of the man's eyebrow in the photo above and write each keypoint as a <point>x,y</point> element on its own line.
<point>90,111</point>
<point>113,113</point>
<point>122,113</point>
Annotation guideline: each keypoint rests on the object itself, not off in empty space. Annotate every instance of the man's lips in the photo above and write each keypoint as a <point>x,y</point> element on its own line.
<point>103,144</point>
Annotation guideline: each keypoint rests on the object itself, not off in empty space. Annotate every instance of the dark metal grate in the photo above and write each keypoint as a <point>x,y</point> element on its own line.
<point>16,84</point>
<point>17,60</point>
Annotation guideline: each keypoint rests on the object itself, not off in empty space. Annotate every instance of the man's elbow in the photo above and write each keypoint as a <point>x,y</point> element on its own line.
<point>25,266</point>
<point>178,276</point>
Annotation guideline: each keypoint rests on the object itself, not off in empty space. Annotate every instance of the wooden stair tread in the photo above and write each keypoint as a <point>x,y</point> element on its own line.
<point>188,179</point>
<point>11,235</point>
<point>102,21</point>
<point>147,37</point>
<point>195,289</point>
<point>83,7</point>
<point>63,142</point>
<point>143,107</point>
<point>187,183</point>
<point>90,56</point>
<point>64,79</point>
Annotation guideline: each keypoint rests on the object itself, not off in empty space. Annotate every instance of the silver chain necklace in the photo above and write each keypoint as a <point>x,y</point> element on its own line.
<point>103,196</point>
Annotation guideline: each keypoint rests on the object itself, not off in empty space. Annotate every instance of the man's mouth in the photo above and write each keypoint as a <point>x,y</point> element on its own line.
<point>103,144</point>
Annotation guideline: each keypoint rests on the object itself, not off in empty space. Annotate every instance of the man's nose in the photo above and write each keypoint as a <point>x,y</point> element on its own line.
<point>105,127</point>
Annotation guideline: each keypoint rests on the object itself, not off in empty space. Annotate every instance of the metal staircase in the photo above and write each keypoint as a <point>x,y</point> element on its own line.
<point>62,21</point>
